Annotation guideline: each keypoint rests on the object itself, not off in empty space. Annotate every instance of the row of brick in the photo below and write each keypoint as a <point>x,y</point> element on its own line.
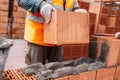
<point>111,73</point>
<point>75,51</point>
<point>106,49</point>
<point>17,75</point>
<point>3,17</point>
<point>100,74</point>
<point>111,22</point>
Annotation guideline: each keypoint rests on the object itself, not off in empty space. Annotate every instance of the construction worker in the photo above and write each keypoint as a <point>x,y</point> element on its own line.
<point>38,12</point>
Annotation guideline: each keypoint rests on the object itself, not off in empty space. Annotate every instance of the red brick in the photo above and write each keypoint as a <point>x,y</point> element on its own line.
<point>4,1</point>
<point>21,10</point>
<point>92,18</point>
<point>3,13</point>
<point>9,75</point>
<point>118,22</point>
<point>77,51</point>
<point>112,21</point>
<point>15,8</point>
<point>71,35</point>
<point>4,19</point>
<point>18,25</point>
<point>17,36</point>
<point>113,54</point>
<point>3,30</point>
<point>84,5</point>
<point>85,50</point>
<point>89,75</point>
<point>101,28</point>
<point>19,20</point>
<point>113,12</point>
<point>4,7</point>
<point>110,30</point>
<point>92,29</point>
<point>17,30</point>
<point>117,75</point>
<point>62,78</point>
<point>67,51</point>
<point>105,74</point>
<point>118,29</point>
<point>19,14</point>
<point>103,20</point>
<point>22,76</point>
<point>74,77</point>
<point>105,10</point>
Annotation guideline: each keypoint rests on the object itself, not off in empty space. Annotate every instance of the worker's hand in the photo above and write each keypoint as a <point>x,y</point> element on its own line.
<point>117,35</point>
<point>46,10</point>
<point>81,10</point>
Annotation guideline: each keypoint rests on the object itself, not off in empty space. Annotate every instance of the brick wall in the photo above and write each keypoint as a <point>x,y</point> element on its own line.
<point>3,17</point>
<point>18,19</point>
<point>112,73</point>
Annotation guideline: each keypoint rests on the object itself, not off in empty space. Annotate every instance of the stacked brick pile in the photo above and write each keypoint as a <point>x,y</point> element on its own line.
<point>18,19</point>
<point>118,24</point>
<point>75,51</point>
<point>92,16</point>
<point>3,17</point>
<point>108,22</point>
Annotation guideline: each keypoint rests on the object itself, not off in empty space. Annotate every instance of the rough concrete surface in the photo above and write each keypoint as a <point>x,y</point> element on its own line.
<point>16,55</point>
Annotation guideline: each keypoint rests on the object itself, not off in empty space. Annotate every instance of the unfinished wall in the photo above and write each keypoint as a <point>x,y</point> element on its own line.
<point>3,17</point>
<point>18,19</point>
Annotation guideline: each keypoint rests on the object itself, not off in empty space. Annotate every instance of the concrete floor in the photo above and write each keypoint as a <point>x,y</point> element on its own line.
<point>16,56</point>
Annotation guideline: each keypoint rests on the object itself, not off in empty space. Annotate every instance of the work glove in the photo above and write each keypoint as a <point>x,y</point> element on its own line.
<point>45,10</point>
<point>81,10</point>
<point>117,35</point>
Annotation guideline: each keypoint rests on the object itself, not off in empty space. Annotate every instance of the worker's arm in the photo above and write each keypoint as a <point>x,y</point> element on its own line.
<point>37,6</point>
<point>30,5</point>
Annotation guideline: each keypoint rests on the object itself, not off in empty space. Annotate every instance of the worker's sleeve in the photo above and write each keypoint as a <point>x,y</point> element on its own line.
<point>30,5</point>
<point>76,6</point>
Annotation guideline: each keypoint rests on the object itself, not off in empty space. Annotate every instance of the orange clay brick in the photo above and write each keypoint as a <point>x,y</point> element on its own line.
<point>22,76</point>
<point>105,74</point>
<point>117,75</point>
<point>16,75</point>
<point>74,77</point>
<point>90,75</point>
<point>113,54</point>
<point>62,78</point>
<point>9,75</point>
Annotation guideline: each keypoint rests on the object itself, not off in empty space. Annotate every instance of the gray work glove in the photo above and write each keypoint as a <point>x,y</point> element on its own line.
<point>81,10</point>
<point>45,10</point>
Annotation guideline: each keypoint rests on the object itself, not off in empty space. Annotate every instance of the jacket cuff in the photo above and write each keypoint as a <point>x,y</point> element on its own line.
<point>42,4</point>
<point>37,6</point>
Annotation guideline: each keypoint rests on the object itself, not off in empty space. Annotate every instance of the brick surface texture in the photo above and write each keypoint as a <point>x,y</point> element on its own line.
<point>18,19</point>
